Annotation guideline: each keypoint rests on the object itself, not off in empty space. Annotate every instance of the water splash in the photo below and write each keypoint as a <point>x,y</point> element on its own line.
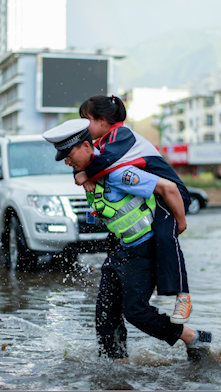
<point>71,347</point>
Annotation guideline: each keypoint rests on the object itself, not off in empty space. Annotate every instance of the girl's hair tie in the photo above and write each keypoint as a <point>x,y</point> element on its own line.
<point>112,99</point>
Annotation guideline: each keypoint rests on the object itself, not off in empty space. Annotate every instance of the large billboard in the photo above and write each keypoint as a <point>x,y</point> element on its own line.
<point>63,83</point>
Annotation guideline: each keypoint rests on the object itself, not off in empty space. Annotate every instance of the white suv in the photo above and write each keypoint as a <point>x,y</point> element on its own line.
<point>42,211</point>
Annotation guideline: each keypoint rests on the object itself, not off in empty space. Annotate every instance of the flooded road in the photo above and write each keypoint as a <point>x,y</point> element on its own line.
<point>47,327</point>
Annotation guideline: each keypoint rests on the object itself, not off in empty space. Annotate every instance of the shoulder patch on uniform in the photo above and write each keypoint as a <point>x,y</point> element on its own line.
<point>130,178</point>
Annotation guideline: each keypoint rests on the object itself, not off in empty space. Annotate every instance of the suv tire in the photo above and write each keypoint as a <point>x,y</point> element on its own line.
<point>18,257</point>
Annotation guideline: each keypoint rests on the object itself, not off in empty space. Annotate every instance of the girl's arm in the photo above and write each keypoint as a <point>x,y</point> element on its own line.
<point>171,195</point>
<point>80,178</point>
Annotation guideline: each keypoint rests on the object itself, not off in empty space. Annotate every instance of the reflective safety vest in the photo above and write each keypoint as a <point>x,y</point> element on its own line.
<point>129,218</point>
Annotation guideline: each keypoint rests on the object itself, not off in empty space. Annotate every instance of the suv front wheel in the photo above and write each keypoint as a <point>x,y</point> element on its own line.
<point>19,256</point>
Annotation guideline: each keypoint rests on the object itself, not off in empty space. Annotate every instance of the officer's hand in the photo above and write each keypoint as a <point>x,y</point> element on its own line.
<point>89,186</point>
<point>80,178</point>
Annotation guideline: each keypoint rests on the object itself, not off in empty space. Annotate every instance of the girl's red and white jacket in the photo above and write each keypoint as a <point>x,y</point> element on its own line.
<point>122,147</point>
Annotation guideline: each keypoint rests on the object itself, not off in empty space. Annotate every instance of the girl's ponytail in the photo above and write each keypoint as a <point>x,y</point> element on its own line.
<point>121,113</point>
<point>100,106</point>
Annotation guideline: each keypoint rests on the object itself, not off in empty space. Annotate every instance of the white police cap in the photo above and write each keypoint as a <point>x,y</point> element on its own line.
<point>67,135</point>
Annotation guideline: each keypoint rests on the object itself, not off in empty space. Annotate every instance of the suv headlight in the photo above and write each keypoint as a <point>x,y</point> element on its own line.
<point>47,205</point>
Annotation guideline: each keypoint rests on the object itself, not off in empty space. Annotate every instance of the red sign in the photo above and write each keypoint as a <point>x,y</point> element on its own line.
<point>176,154</point>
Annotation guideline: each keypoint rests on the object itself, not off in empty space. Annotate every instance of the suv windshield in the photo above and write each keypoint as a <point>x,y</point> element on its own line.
<point>34,158</point>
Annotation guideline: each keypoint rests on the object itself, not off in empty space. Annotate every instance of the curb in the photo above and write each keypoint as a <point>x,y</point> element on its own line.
<point>213,205</point>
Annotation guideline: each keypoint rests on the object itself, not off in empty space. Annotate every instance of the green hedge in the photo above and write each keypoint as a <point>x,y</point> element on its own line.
<point>201,181</point>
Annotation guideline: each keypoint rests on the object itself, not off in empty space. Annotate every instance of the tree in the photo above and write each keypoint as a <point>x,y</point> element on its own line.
<point>158,123</point>
<point>68,116</point>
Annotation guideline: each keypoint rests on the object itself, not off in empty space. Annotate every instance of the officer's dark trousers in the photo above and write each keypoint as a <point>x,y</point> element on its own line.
<point>127,283</point>
<point>171,272</point>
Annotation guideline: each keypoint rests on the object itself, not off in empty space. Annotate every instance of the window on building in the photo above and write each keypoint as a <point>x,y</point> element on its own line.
<point>181,125</point>
<point>10,122</point>
<point>190,104</point>
<point>208,101</point>
<point>209,119</point>
<point>166,111</point>
<point>10,95</point>
<point>174,109</point>
<point>171,109</point>
<point>209,137</point>
<point>4,75</point>
<point>220,117</point>
<point>191,123</point>
<point>197,122</point>
<point>179,108</point>
<point>10,71</point>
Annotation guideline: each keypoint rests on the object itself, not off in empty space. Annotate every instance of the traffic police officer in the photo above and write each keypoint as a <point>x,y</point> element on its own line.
<point>128,274</point>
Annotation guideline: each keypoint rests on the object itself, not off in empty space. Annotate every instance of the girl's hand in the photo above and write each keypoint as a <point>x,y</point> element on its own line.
<point>80,178</point>
<point>89,186</point>
<point>182,225</point>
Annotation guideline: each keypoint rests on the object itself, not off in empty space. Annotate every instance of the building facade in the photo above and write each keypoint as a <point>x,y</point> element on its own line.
<point>196,119</point>
<point>193,124</point>
<point>17,94</point>
<point>34,98</point>
<point>190,127</point>
<point>143,103</point>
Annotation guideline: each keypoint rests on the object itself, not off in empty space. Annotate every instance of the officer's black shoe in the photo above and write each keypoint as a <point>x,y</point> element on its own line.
<point>198,348</point>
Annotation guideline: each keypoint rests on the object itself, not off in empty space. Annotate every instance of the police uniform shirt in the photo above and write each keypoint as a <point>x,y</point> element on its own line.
<point>129,180</point>
<point>132,180</point>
